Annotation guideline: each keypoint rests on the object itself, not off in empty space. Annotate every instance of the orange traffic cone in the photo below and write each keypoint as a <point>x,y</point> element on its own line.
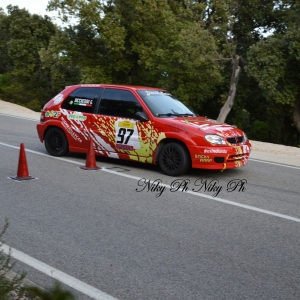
<point>23,173</point>
<point>90,159</point>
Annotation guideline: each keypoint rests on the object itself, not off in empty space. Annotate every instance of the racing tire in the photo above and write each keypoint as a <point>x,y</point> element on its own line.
<point>174,160</point>
<point>56,142</point>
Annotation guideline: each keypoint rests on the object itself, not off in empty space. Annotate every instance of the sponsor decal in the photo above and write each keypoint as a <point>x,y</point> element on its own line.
<point>52,114</point>
<point>58,99</point>
<point>215,151</point>
<point>76,117</point>
<point>71,131</point>
<point>149,93</point>
<point>126,124</point>
<point>203,158</point>
<point>82,102</point>
<point>124,147</point>
<point>183,185</point>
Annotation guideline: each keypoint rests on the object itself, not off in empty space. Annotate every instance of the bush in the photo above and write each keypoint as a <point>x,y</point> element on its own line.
<point>13,284</point>
<point>259,131</point>
<point>56,293</point>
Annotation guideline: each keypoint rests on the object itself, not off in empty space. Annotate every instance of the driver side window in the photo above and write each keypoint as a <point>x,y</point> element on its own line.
<point>119,103</point>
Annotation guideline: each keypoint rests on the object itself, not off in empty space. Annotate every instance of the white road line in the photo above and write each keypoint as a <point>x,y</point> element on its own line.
<point>201,195</point>
<point>85,288</point>
<point>275,164</point>
<point>42,154</point>
<point>56,274</point>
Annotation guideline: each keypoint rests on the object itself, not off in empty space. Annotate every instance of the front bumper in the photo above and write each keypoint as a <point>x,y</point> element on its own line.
<point>220,158</point>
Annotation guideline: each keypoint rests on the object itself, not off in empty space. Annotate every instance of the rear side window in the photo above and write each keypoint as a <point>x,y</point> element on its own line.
<point>82,99</point>
<point>119,103</point>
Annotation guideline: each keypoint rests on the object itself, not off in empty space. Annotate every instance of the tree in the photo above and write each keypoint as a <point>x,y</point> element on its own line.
<point>144,42</point>
<point>237,24</point>
<point>234,26</point>
<point>23,35</point>
<point>275,64</point>
<point>236,69</point>
<point>60,69</point>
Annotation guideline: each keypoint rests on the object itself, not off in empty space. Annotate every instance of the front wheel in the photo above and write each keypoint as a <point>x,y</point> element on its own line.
<point>174,159</point>
<point>56,142</point>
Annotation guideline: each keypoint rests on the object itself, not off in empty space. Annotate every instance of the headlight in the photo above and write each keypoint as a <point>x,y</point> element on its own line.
<point>215,139</point>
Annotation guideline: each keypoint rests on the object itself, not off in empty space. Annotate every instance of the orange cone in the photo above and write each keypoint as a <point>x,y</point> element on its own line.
<point>90,159</point>
<point>23,173</point>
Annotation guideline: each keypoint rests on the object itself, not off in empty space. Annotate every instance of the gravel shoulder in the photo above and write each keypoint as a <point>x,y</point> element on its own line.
<point>7,108</point>
<point>260,150</point>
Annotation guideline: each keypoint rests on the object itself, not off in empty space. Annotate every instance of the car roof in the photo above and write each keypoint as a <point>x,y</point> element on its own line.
<point>133,87</point>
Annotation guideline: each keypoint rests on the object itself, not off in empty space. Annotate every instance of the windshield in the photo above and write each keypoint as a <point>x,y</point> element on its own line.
<point>163,104</point>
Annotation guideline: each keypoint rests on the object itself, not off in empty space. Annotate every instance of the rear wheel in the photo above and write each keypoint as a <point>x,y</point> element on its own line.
<point>174,159</point>
<point>56,142</point>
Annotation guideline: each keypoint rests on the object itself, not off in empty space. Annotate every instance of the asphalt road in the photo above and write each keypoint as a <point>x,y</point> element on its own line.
<point>101,228</point>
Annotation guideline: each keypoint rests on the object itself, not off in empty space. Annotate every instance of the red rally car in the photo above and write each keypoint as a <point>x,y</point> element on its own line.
<point>141,124</point>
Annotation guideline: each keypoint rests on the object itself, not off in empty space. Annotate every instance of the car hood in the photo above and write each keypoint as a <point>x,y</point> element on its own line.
<point>208,126</point>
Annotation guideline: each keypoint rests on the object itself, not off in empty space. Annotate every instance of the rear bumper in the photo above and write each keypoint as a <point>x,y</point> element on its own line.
<point>41,127</point>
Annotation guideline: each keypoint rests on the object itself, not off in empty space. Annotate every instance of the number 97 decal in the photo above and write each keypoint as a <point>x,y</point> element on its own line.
<point>124,135</point>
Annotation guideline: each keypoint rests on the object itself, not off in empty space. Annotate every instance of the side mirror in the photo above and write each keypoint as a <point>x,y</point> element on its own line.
<point>141,116</point>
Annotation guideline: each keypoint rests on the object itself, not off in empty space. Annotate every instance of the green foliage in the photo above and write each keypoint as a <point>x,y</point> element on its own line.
<point>275,63</point>
<point>34,77</point>
<point>7,286</point>
<point>23,35</point>
<point>193,67</point>
<point>59,69</point>
<point>55,293</point>
<point>144,42</point>
<point>185,46</point>
<point>4,81</point>
<point>240,118</point>
<point>259,131</point>
<point>267,62</point>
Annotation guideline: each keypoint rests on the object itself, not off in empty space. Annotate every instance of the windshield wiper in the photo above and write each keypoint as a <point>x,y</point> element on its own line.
<point>186,115</point>
<point>168,115</point>
<point>176,115</point>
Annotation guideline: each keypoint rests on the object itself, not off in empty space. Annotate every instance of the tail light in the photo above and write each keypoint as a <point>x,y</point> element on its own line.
<point>42,116</point>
